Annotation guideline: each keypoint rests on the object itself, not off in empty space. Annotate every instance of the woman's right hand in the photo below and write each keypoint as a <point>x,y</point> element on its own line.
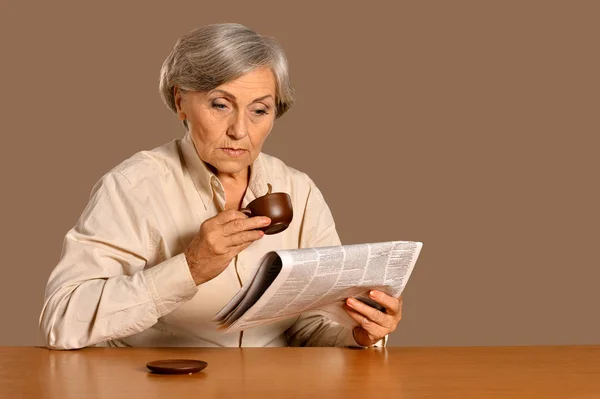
<point>219,240</point>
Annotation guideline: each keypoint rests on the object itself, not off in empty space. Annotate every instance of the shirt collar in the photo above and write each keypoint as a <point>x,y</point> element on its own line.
<point>206,181</point>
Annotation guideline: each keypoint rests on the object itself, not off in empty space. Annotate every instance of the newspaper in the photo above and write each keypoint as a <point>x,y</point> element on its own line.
<point>287,283</point>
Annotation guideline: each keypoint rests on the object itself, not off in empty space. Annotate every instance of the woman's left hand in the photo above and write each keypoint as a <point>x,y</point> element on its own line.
<point>374,324</point>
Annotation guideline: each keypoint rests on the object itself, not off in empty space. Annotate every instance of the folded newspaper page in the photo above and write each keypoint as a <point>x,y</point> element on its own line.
<point>287,283</point>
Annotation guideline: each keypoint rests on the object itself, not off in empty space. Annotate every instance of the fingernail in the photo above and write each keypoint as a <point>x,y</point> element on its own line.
<point>350,301</point>
<point>373,294</point>
<point>266,221</point>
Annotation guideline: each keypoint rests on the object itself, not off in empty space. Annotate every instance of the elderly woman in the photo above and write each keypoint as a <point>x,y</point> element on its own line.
<point>162,246</point>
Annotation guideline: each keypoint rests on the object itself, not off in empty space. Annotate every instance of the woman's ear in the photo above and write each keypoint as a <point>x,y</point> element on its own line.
<point>178,94</point>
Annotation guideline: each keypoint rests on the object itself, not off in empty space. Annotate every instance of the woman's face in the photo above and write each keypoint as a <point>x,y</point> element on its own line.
<point>230,123</point>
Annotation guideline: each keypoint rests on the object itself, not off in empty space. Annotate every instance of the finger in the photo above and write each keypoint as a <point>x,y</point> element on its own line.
<point>228,216</point>
<point>233,251</point>
<point>369,312</point>
<point>374,329</point>
<point>391,304</point>
<point>238,225</point>
<point>244,237</point>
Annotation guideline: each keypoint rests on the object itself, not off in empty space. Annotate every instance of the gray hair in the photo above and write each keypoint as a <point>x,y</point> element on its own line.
<point>215,54</point>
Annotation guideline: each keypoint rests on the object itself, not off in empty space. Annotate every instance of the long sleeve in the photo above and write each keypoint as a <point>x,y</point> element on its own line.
<point>101,288</point>
<point>318,230</point>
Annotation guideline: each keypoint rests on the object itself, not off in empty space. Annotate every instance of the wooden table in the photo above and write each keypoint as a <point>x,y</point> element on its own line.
<point>445,372</point>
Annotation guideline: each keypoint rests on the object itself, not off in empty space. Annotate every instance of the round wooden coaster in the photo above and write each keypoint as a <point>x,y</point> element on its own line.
<point>176,366</point>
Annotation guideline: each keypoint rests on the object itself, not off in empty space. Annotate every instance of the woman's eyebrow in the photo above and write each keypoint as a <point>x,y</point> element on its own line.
<point>263,98</point>
<point>228,94</point>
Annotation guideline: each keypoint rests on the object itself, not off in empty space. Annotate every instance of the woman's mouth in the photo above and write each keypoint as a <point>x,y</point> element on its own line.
<point>234,152</point>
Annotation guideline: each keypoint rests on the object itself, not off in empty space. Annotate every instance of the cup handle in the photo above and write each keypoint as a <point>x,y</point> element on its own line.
<point>246,212</point>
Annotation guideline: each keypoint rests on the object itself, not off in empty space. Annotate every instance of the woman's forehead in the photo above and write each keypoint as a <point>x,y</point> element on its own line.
<point>259,82</point>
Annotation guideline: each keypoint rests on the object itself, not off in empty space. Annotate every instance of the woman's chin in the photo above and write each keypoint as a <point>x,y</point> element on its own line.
<point>231,167</point>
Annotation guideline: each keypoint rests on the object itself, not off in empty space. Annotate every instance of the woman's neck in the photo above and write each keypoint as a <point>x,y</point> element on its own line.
<point>234,179</point>
<point>235,186</point>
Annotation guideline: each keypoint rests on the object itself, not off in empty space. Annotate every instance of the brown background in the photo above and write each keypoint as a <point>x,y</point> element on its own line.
<point>471,126</point>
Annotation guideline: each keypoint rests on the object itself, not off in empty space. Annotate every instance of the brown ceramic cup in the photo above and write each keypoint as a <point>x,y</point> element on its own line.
<point>275,206</point>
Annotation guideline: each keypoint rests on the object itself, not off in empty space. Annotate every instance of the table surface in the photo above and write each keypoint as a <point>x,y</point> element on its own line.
<point>435,372</point>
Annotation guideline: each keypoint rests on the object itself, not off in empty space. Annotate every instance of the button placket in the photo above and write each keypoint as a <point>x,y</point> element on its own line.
<point>218,192</point>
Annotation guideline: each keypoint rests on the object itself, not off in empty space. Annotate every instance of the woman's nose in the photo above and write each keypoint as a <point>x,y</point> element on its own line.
<point>238,128</point>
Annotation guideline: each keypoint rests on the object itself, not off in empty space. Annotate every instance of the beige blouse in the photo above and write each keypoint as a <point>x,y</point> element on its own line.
<point>123,280</point>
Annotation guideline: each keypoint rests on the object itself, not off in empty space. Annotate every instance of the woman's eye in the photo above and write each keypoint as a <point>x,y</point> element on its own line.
<point>219,106</point>
<point>261,112</point>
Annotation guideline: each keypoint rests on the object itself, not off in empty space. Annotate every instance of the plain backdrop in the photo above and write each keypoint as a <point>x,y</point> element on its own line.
<point>470,126</point>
